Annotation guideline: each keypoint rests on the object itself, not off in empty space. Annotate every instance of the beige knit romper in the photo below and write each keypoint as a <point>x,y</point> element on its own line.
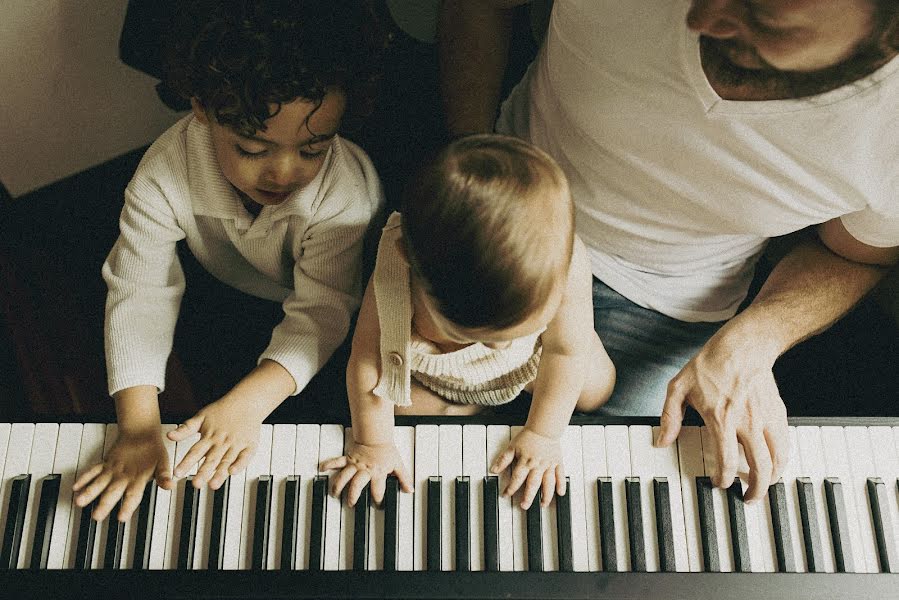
<point>474,374</point>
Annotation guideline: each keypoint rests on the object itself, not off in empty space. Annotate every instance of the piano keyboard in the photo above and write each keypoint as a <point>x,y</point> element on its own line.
<point>629,508</point>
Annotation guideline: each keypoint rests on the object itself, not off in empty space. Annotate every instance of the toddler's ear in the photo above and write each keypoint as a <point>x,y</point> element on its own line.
<point>199,111</point>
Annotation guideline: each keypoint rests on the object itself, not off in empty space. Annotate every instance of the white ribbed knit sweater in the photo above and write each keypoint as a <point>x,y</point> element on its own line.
<point>474,374</point>
<point>304,253</point>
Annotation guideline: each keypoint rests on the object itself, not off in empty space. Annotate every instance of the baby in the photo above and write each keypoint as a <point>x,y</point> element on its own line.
<point>481,290</point>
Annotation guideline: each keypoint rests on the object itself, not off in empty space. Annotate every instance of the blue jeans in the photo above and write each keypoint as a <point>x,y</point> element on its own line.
<point>647,348</point>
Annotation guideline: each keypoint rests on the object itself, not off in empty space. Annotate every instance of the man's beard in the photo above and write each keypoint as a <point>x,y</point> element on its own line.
<point>777,84</point>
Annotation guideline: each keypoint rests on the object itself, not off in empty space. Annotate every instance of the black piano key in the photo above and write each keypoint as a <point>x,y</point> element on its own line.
<point>87,535</point>
<point>664,525</point>
<point>635,524</point>
<point>708,532</point>
<point>563,526</point>
<point>434,517</point>
<point>839,525</point>
<point>391,522</point>
<point>143,534</point>
<point>880,514</point>
<point>15,521</point>
<point>491,523</point>
<point>783,539</point>
<point>46,513</point>
<point>261,523</point>
<point>317,526</point>
<point>809,514</point>
<point>189,512</point>
<point>463,524</point>
<point>291,523</point>
<point>216,560</point>
<point>115,540</point>
<point>360,531</point>
<point>535,535</point>
<point>606,524</point>
<point>739,535</point>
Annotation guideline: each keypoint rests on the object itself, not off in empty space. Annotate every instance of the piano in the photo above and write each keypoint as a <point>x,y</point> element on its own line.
<point>636,521</point>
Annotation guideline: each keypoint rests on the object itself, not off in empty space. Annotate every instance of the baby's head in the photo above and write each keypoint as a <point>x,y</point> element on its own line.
<point>488,229</point>
<point>274,80</point>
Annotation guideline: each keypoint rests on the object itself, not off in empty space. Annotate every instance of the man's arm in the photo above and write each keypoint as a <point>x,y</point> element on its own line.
<point>730,382</point>
<point>473,42</point>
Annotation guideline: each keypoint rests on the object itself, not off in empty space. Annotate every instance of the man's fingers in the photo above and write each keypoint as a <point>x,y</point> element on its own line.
<point>87,476</point>
<point>760,465</point>
<point>728,454</point>
<point>777,437</point>
<point>672,415</point>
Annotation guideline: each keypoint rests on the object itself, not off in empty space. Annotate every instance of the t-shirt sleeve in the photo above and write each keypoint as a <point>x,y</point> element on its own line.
<point>879,228</point>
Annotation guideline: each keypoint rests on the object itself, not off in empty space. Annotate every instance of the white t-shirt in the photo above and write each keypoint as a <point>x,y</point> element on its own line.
<point>677,190</point>
<point>304,253</point>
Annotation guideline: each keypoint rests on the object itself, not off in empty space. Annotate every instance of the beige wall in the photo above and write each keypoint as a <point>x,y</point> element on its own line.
<point>66,100</point>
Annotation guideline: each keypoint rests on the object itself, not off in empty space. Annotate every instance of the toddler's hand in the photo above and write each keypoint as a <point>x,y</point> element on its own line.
<point>132,461</point>
<point>538,463</point>
<point>364,464</point>
<point>229,433</point>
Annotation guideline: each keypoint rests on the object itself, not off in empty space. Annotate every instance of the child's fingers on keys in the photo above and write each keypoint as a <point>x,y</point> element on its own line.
<point>87,476</point>
<point>402,475</point>
<point>163,476</point>
<point>221,471</point>
<point>97,485</point>
<point>357,485</point>
<point>242,459</point>
<point>378,487</point>
<point>502,461</point>
<point>209,466</point>
<point>531,487</point>
<point>341,479</point>
<point>548,487</point>
<point>186,429</point>
<point>134,493</point>
<point>519,474</point>
<point>560,480</point>
<point>109,498</point>
<point>337,462</point>
<point>193,456</point>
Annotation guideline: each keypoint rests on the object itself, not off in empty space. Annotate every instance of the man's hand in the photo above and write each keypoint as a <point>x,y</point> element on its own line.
<point>730,384</point>
<point>229,433</point>
<point>132,461</point>
<point>538,464</point>
<point>364,464</point>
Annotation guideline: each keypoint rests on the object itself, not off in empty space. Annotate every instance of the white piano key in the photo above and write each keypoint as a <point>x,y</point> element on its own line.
<point>498,437</point>
<point>427,463</point>
<point>65,462</point>
<point>284,441</point>
<point>643,466</point>
<point>593,443</point>
<point>176,503</point>
<point>305,465</point>
<point>348,516</point>
<point>861,464</point>
<point>811,453</point>
<point>792,470</point>
<point>836,459</point>
<point>691,465</point>
<point>404,437</point>
<point>474,465</point>
<point>758,532</point>
<point>886,465</point>
<point>40,465</point>
<point>331,446</point>
<point>666,463</point>
<point>204,527</point>
<point>574,469</point>
<point>519,520</point>
<point>90,454</point>
<point>162,511</point>
<point>618,457</point>
<point>719,501</point>
<point>16,463</point>
<point>450,457</point>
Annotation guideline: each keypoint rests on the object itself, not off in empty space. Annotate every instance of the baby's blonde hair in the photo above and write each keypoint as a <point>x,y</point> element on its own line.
<point>489,230</point>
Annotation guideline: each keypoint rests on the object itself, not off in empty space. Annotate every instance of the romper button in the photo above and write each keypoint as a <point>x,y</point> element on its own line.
<point>396,359</point>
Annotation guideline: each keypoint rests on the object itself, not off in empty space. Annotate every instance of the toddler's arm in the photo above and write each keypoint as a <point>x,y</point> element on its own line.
<point>373,456</point>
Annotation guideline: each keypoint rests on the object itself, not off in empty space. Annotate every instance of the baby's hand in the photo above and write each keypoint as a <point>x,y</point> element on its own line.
<point>132,461</point>
<point>538,463</point>
<point>364,464</point>
<point>229,433</point>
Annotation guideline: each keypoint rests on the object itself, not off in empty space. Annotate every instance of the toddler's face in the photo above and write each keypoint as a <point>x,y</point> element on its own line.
<point>273,164</point>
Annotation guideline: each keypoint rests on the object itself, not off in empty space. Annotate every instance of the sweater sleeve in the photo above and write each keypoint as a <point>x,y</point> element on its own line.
<point>327,279</point>
<point>145,285</point>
